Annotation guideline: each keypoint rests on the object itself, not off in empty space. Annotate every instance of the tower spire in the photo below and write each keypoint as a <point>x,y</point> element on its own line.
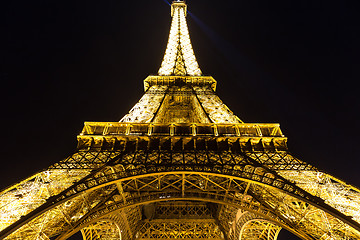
<point>179,58</point>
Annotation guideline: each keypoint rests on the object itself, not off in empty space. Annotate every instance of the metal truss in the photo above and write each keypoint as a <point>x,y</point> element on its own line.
<point>182,210</point>
<point>180,164</point>
<point>251,226</point>
<point>185,220</point>
<point>180,105</point>
<point>260,230</point>
<point>226,215</point>
<point>107,230</point>
<point>145,109</point>
<point>215,108</point>
<point>145,177</point>
<point>201,100</point>
<point>181,228</point>
<point>180,81</point>
<point>179,58</point>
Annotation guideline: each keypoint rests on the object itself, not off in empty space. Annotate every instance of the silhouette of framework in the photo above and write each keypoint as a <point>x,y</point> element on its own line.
<point>180,164</point>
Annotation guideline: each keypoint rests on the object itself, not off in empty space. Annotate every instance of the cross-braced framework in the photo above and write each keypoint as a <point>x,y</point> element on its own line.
<point>179,58</point>
<point>182,165</point>
<point>102,230</point>
<point>251,226</point>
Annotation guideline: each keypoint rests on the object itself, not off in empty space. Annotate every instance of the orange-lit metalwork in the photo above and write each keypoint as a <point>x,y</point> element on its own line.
<point>181,165</point>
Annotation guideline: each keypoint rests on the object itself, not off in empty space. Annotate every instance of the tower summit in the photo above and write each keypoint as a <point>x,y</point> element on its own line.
<point>180,165</point>
<point>179,58</point>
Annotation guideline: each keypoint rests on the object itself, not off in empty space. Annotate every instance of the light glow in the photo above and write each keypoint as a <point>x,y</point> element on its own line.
<point>179,58</point>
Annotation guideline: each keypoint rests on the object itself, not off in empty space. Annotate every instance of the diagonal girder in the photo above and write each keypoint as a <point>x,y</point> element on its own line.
<point>209,176</point>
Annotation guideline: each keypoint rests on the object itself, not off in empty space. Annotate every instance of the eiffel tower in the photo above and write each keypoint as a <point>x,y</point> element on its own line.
<point>181,165</point>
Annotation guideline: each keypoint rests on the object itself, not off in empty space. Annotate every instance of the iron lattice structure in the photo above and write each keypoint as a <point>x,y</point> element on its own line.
<point>180,165</point>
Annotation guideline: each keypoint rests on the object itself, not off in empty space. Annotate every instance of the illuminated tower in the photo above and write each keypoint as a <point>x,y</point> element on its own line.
<point>180,164</point>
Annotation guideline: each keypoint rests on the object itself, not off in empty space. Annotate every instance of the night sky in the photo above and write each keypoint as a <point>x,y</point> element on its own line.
<point>290,62</point>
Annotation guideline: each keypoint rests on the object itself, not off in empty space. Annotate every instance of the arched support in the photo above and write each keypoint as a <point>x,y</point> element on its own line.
<point>174,196</point>
<point>252,226</point>
<point>232,178</point>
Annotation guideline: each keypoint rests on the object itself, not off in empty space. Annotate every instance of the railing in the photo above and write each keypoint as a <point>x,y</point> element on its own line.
<point>181,129</point>
<point>180,80</point>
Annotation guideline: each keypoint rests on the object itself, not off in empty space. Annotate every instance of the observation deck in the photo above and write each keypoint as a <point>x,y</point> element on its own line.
<point>193,136</point>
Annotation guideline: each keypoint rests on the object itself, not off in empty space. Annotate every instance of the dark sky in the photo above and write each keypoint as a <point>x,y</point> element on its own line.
<point>290,62</point>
